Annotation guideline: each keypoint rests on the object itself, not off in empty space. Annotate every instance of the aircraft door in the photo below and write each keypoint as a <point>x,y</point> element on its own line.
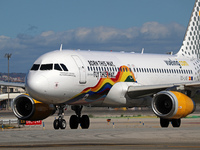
<point>81,68</point>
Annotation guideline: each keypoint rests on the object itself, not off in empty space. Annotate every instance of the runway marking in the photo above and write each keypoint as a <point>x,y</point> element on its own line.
<point>184,146</point>
<point>78,145</point>
<point>95,145</point>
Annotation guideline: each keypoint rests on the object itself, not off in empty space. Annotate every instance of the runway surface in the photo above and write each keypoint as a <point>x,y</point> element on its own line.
<point>120,133</point>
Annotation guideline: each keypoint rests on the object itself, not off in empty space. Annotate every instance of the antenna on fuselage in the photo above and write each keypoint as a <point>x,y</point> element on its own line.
<point>142,51</point>
<point>61,47</point>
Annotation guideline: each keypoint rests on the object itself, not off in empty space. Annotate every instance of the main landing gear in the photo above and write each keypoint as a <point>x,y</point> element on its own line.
<point>74,120</point>
<point>164,123</point>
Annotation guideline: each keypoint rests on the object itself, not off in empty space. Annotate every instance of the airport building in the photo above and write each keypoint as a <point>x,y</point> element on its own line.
<point>12,93</point>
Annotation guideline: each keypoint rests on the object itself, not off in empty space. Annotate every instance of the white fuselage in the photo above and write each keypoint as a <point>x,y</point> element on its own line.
<point>91,74</point>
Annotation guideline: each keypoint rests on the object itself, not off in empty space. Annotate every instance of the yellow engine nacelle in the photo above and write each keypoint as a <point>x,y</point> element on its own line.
<point>172,105</point>
<point>27,108</point>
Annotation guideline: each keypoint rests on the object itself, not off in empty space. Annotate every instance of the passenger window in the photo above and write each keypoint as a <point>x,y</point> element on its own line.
<point>57,67</point>
<point>35,67</point>
<point>174,70</point>
<point>46,67</point>
<point>64,67</point>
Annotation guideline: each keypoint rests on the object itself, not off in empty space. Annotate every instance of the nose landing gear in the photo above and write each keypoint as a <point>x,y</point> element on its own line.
<point>60,122</point>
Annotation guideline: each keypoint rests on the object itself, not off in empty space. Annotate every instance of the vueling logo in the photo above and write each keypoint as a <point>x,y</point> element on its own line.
<point>176,63</point>
<point>183,63</point>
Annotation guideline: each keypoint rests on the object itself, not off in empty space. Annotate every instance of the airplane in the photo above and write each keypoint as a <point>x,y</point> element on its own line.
<point>169,84</point>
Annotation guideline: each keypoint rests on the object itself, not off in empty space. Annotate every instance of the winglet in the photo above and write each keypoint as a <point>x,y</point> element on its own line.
<point>61,47</point>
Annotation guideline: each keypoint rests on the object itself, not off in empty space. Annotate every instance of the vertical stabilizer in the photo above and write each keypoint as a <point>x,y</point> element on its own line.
<point>191,43</point>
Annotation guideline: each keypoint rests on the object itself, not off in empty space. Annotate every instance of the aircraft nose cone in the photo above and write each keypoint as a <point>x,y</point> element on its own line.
<point>37,86</point>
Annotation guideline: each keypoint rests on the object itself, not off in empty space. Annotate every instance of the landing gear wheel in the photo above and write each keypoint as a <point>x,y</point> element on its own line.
<point>62,123</point>
<point>164,123</point>
<point>56,124</point>
<point>76,119</point>
<point>176,123</point>
<point>73,122</point>
<point>85,122</point>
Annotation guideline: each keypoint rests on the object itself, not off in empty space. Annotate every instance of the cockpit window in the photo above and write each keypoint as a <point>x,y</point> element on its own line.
<point>35,67</point>
<point>46,67</point>
<point>57,67</point>
<point>64,67</point>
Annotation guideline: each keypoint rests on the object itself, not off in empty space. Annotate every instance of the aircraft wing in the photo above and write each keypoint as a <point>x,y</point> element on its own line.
<point>193,84</point>
<point>141,91</point>
<point>22,85</point>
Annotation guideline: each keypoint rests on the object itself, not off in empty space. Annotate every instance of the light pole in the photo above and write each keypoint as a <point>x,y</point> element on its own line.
<point>8,56</point>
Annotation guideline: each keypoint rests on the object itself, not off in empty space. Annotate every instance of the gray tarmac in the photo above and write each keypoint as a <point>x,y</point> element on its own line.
<point>141,132</point>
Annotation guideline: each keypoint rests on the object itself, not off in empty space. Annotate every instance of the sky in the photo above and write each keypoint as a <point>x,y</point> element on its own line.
<point>30,28</point>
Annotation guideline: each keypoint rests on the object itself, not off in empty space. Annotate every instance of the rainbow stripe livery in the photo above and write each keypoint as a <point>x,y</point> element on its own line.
<point>101,89</point>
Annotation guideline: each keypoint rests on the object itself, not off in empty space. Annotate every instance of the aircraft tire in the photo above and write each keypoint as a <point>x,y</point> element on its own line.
<point>73,122</point>
<point>176,123</point>
<point>62,124</point>
<point>164,123</point>
<point>56,124</point>
<point>85,122</point>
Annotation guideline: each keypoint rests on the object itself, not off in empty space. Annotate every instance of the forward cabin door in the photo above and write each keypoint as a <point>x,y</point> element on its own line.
<point>81,68</point>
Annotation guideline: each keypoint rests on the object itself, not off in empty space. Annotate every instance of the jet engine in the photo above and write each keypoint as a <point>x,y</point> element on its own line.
<point>27,108</point>
<point>172,105</point>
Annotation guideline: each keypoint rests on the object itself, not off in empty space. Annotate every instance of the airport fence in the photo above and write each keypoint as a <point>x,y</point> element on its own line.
<point>8,121</point>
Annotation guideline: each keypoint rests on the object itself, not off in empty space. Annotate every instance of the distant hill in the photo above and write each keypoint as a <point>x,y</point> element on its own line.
<point>14,77</point>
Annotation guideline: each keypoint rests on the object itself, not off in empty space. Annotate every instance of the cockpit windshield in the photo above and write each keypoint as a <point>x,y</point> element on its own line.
<point>35,67</point>
<point>64,67</point>
<point>43,67</point>
<point>57,67</point>
<point>46,67</point>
